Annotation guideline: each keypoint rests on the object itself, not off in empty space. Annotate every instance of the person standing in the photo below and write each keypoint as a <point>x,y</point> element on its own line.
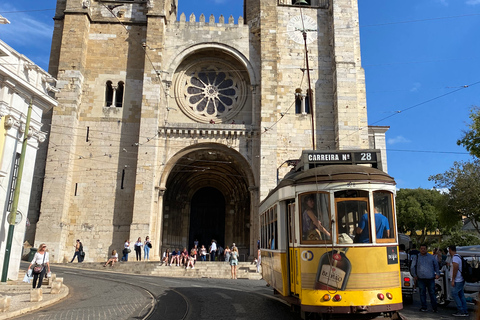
<point>138,249</point>
<point>425,270</point>
<point>146,249</point>
<point>126,250</point>
<point>259,259</point>
<point>234,262</point>
<point>227,254</point>
<point>213,250</point>
<point>458,283</point>
<point>39,262</point>
<point>203,253</point>
<point>78,251</point>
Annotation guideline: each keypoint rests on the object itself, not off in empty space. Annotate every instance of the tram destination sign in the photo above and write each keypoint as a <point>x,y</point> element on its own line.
<point>342,157</point>
<point>312,158</point>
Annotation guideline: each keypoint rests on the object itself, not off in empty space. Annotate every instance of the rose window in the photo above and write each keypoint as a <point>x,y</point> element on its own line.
<point>211,92</point>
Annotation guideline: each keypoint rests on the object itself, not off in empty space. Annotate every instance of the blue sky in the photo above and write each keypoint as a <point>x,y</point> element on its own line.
<point>418,55</point>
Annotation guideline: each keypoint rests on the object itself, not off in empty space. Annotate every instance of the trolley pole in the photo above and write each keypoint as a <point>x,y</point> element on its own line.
<point>16,195</point>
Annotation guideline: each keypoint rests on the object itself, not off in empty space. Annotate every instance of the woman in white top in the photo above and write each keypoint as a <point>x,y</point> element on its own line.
<point>113,258</point>
<point>126,249</point>
<point>40,259</point>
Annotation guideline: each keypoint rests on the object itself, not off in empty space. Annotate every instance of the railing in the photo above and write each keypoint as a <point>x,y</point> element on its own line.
<point>322,4</point>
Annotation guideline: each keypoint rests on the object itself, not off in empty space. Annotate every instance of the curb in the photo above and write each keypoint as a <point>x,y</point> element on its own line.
<point>36,305</point>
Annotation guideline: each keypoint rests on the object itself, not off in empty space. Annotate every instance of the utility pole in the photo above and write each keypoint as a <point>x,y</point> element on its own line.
<point>16,195</point>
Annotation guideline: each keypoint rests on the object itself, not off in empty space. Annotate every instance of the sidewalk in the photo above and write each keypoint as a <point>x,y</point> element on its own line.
<point>19,292</point>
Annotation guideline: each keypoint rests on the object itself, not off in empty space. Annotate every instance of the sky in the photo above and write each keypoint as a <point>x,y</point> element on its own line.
<point>421,61</point>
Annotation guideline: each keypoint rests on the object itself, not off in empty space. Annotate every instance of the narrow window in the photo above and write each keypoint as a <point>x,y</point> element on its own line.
<point>76,188</point>
<point>307,102</point>
<point>123,178</point>
<point>119,95</point>
<point>13,181</point>
<point>88,133</point>
<point>108,94</point>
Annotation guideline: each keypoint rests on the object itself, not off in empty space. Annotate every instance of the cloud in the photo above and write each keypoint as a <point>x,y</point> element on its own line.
<point>473,2</point>
<point>397,139</point>
<point>25,29</point>
<point>415,87</point>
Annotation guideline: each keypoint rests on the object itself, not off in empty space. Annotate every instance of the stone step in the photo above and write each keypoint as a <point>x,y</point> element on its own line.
<point>203,269</point>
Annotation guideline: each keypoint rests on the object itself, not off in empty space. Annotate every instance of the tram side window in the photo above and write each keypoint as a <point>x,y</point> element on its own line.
<point>315,217</point>
<point>384,217</point>
<point>269,229</point>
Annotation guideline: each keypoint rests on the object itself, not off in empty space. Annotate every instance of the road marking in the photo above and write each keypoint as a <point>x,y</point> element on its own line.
<point>224,296</point>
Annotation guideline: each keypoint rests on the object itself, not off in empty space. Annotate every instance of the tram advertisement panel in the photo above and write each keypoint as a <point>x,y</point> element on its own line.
<point>349,268</point>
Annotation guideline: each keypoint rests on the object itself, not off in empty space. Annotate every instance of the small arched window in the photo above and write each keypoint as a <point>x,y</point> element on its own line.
<point>119,95</point>
<point>108,94</point>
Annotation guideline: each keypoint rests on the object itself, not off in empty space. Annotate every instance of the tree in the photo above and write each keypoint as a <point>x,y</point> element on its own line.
<point>418,210</point>
<point>471,138</point>
<point>463,183</point>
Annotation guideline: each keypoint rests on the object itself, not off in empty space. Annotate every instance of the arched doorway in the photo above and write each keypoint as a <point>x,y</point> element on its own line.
<point>207,217</point>
<point>208,196</point>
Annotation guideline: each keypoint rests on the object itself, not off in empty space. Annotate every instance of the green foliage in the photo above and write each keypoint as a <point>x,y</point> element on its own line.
<point>471,138</point>
<point>463,183</point>
<point>419,210</point>
<point>460,238</point>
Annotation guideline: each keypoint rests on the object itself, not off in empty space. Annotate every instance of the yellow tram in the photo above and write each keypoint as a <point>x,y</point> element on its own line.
<point>328,236</point>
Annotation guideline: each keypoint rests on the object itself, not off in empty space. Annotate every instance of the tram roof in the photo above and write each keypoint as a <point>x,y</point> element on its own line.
<point>333,173</point>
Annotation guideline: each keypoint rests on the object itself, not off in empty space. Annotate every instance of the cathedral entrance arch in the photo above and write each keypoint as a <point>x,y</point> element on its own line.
<point>207,216</point>
<point>208,195</point>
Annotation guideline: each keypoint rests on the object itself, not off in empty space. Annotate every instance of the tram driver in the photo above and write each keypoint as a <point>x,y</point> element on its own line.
<point>312,228</point>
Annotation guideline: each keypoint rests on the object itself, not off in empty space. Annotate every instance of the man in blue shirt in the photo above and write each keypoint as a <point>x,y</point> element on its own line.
<point>425,270</point>
<point>381,225</point>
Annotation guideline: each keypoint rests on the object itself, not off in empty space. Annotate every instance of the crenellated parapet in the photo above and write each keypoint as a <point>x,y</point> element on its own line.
<point>202,21</point>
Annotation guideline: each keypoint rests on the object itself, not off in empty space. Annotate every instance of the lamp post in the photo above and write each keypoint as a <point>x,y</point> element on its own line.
<point>16,195</point>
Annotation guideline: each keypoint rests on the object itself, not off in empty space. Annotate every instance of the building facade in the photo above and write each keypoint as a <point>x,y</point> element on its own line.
<point>176,128</point>
<point>21,83</point>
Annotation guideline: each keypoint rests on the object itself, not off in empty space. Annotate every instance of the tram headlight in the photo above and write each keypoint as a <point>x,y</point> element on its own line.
<point>389,296</point>
<point>326,297</point>
<point>380,296</point>
<point>337,297</point>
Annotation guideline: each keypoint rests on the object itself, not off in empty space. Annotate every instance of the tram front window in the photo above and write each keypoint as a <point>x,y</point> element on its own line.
<point>384,224</point>
<point>315,217</point>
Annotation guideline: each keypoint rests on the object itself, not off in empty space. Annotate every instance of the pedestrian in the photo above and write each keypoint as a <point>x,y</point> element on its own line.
<point>138,249</point>
<point>113,258</point>
<point>227,254</point>
<point>126,250</point>
<point>39,262</point>
<point>175,257</point>
<point>234,262</point>
<point>203,253</point>
<point>220,252</point>
<point>191,259</point>
<point>146,248</point>
<point>259,259</point>
<point>213,250</point>
<point>458,283</point>
<point>425,270</point>
<point>165,257</point>
<point>78,251</point>
<point>184,257</point>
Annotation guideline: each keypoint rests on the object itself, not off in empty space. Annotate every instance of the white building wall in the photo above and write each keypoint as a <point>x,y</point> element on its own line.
<point>21,83</point>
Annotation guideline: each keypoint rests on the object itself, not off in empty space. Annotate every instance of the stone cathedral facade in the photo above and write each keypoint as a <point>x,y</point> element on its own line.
<point>176,126</point>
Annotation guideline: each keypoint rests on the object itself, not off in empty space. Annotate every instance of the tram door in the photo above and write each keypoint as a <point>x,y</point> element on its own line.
<point>292,253</point>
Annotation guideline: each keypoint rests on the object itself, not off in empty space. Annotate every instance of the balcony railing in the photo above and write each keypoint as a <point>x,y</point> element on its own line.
<point>322,4</point>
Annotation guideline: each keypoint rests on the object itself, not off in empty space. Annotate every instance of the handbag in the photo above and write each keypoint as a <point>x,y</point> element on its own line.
<point>39,267</point>
<point>149,245</point>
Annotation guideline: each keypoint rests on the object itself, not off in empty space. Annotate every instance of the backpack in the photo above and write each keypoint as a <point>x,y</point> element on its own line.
<point>469,273</point>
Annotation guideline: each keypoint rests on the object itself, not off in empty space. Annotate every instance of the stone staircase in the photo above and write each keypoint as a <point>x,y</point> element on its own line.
<point>203,269</point>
